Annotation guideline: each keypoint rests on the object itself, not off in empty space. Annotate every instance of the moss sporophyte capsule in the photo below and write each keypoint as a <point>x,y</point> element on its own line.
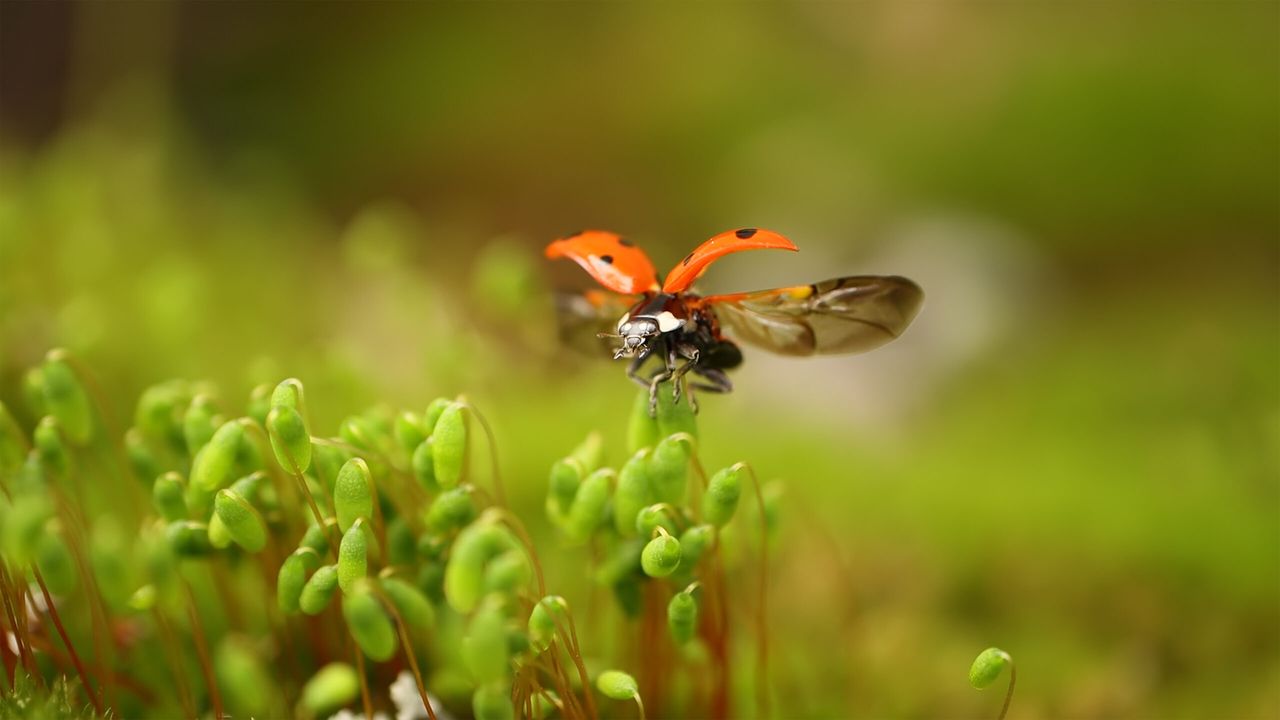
<point>661,556</point>
<point>319,590</point>
<point>212,465</point>
<point>682,616</point>
<point>293,577</point>
<point>723,491</point>
<point>242,521</point>
<point>353,554</point>
<point>543,620</point>
<point>633,493</point>
<point>369,622</point>
<point>353,493</point>
<point>290,440</point>
<point>449,445</point>
<point>65,397</point>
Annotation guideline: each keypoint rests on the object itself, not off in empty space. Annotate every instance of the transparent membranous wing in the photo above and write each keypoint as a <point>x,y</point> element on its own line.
<point>581,317</point>
<point>845,315</point>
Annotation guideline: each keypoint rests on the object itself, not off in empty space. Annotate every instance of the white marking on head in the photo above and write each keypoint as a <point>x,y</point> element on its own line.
<point>668,322</point>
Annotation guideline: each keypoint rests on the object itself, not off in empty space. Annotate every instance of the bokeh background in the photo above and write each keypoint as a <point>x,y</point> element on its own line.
<point>1074,453</point>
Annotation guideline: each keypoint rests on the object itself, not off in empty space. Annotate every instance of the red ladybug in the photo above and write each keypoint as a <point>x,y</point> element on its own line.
<point>669,321</point>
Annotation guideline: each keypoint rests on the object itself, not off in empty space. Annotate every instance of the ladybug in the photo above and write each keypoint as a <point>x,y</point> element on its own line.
<point>685,330</point>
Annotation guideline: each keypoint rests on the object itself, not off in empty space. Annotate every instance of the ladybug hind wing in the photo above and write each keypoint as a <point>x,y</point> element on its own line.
<point>582,317</point>
<point>844,315</point>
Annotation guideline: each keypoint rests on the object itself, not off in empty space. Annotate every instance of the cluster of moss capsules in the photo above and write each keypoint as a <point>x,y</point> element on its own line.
<point>375,543</point>
<point>656,527</point>
<point>381,551</point>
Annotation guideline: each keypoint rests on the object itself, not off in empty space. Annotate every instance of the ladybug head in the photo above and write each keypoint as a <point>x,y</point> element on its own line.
<point>635,334</point>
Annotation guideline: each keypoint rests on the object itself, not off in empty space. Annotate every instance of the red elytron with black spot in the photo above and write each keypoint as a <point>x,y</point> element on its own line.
<point>669,321</point>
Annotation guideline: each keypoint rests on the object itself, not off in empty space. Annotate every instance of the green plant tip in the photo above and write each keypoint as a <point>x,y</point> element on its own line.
<point>219,536</point>
<point>450,510</point>
<point>493,702</point>
<point>424,466</point>
<point>141,459</point>
<point>723,491</point>
<point>590,505</point>
<point>319,590</point>
<point>332,687</point>
<point>293,577</point>
<point>65,397</point>
<point>168,496</point>
<point>143,599</point>
<point>317,537</point>
<point>290,439</point>
<point>212,465</point>
<point>413,606</point>
<point>590,452</point>
<point>369,622</point>
<point>484,649</point>
<point>433,413</point>
<point>23,525</point>
<point>52,450</point>
<point>360,432</point>
<point>465,574</point>
<point>198,423</point>
<point>507,573</point>
<point>188,538</point>
<point>543,618</point>
<point>353,493</point>
<point>353,555</point>
<point>694,542</point>
<point>661,556</point>
<point>288,394</point>
<point>55,560</point>
<point>259,403</point>
<point>682,617</point>
<point>617,685</point>
<point>410,431</point>
<point>449,445</point>
<point>653,517</point>
<point>675,416</point>
<point>562,486</point>
<point>243,523</point>
<point>158,415</point>
<point>642,430</point>
<point>633,493</point>
<point>670,468</point>
<point>987,667</point>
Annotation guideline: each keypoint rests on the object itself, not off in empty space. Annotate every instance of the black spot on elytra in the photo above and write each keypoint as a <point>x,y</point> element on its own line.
<point>745,233</point>
<point>625,242</point>
<point>687,258</point>
<point>606,259</point>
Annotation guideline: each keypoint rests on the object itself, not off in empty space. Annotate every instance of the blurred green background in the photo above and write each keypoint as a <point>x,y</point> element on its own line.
<point>1074,453</point>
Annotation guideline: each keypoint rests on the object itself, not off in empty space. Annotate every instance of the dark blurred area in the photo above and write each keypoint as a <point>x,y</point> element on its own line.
<point>1074,453</point>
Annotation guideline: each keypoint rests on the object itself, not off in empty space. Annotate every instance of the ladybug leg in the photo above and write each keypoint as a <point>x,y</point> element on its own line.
<point>693,399</point>
<point>633,370</point>
<point>662,376</point>
<point>690,352</point>
<point>717,381</point>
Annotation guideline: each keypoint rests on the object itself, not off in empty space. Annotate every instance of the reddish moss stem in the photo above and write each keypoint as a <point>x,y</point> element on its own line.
<point>66,641</point>
<point>202,652</point>
<point>762,613</point>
